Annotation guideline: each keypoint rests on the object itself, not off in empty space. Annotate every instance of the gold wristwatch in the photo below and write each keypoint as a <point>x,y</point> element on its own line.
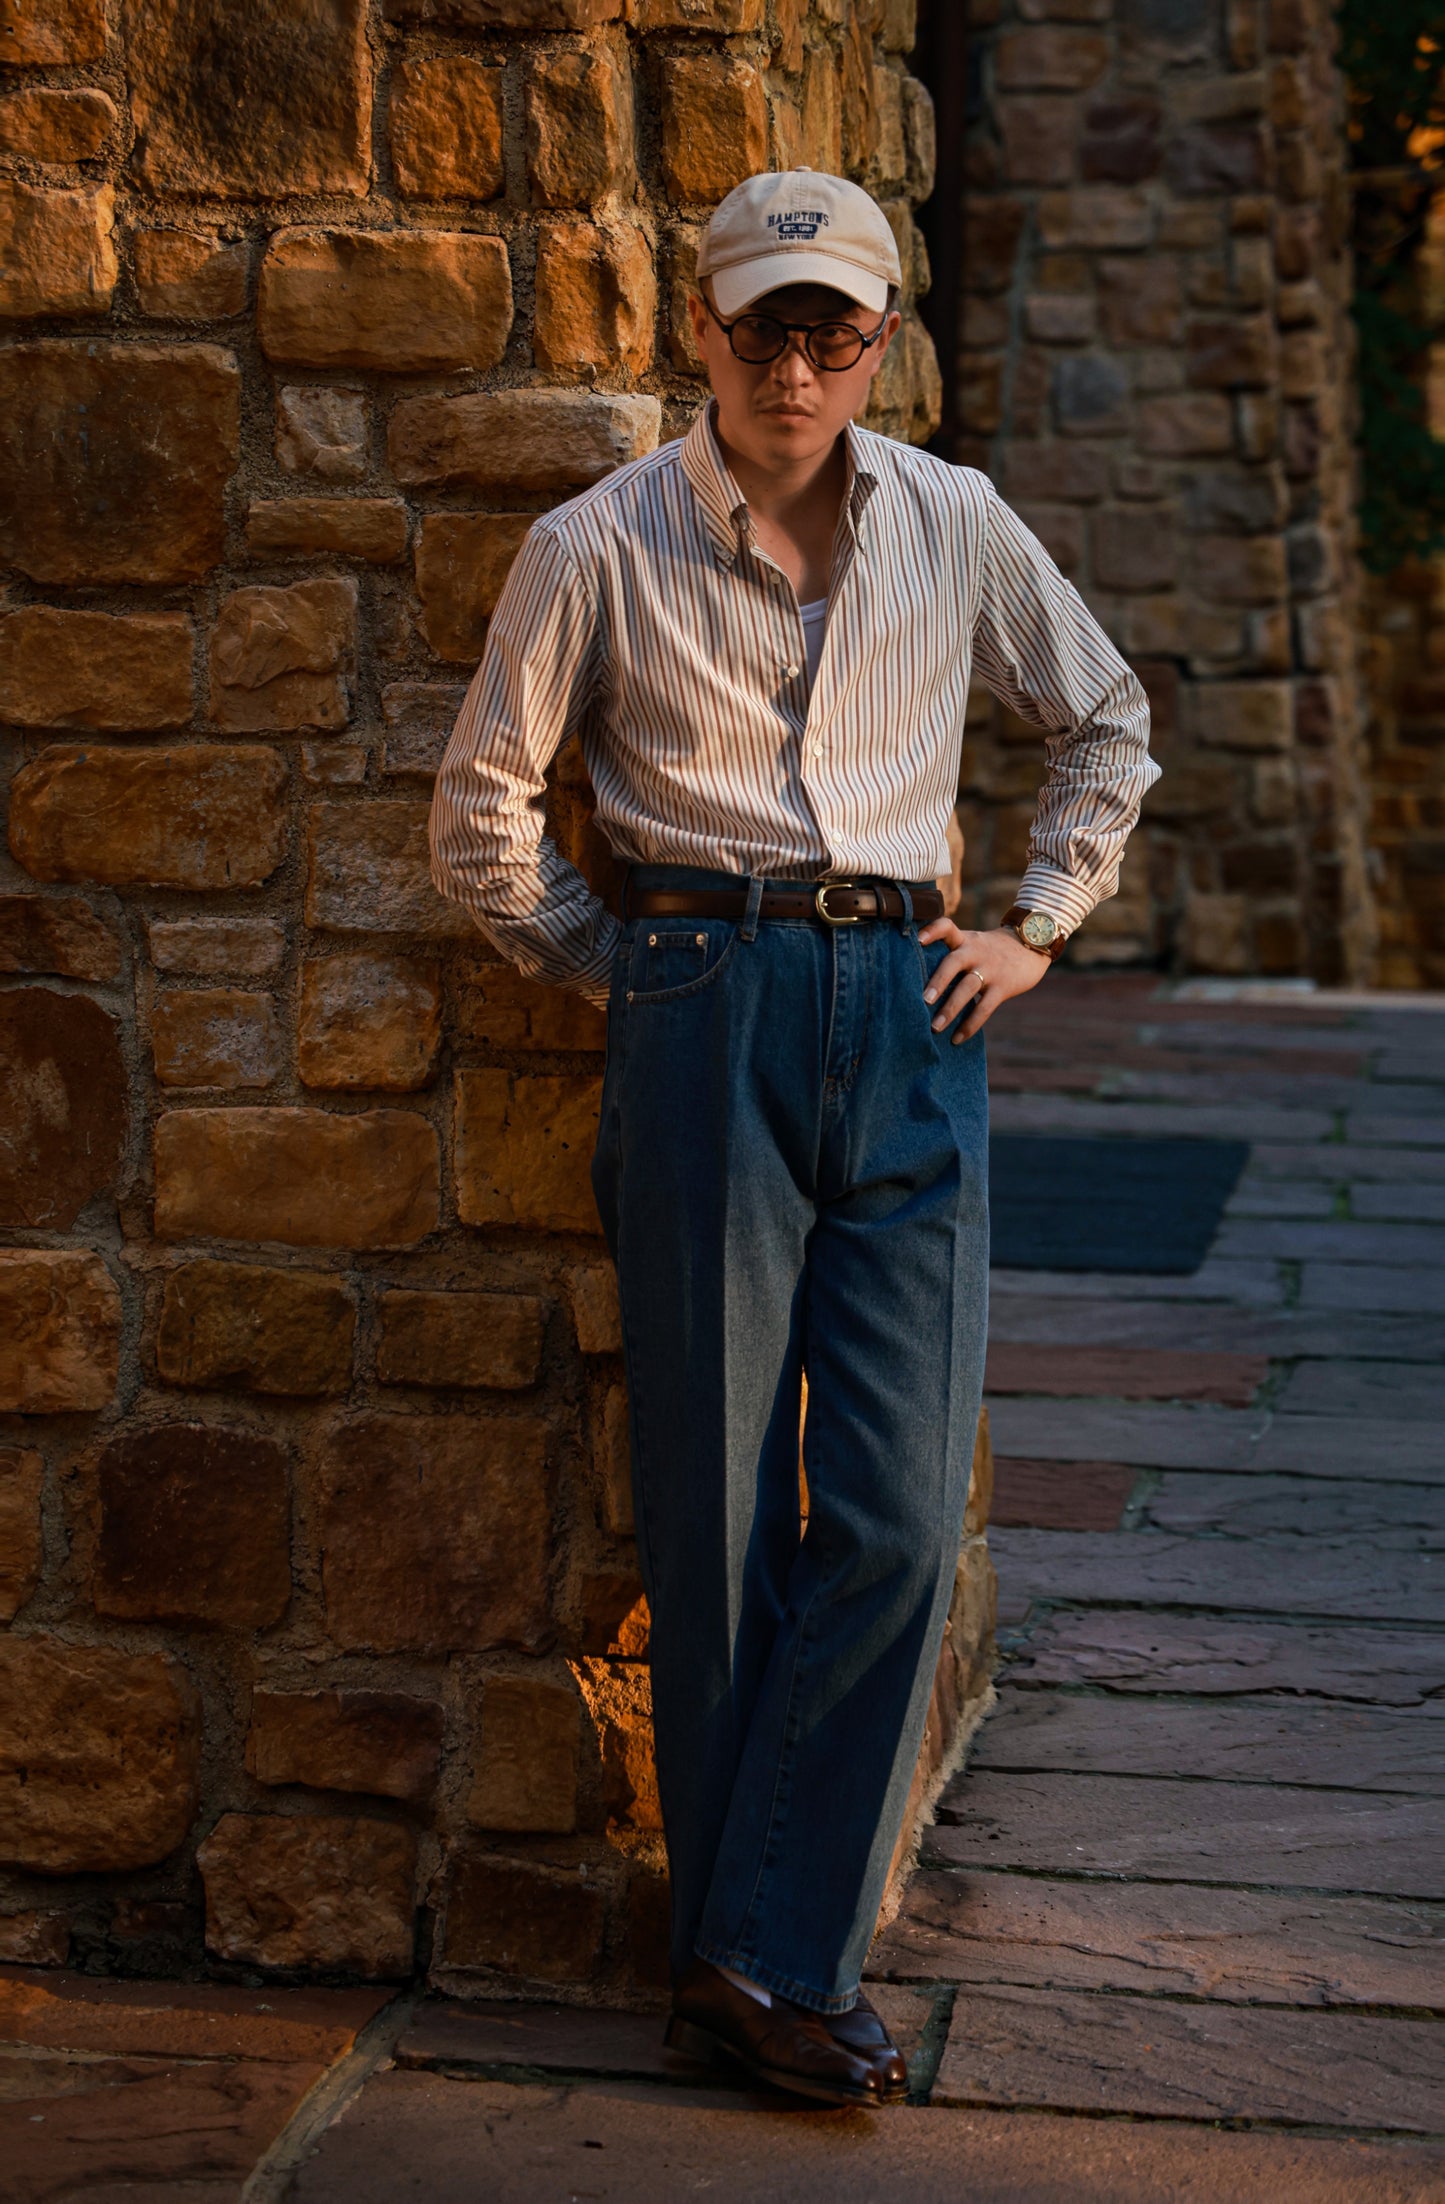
<point>1036,930</point>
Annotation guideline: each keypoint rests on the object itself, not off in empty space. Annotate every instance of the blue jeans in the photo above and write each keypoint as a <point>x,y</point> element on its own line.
<point>792,1174</point>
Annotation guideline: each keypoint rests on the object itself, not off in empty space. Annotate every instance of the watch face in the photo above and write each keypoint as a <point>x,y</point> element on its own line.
<point>1038,929</point>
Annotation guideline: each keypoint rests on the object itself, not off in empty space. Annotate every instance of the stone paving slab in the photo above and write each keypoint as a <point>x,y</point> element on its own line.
<point>1061,1496</point>
<point>1342,1161</point>
<point>1233,1741</point>
<point>1308,1199</point>
<point>1248,1238</point>
<point>452,2142</point>
<point>1354,1579</point>
<point>1342,1042</point>
<point>1272,1836</point>
<point>1252,1285</point>
<point>1239,1086</point>
<point>1378,1126</point>
<point>1393,1450</point>
<point>52,2009</point>
<point>1033,1113</point>
<point>1209,1327</point>
<point>129,2131</point>
<point>1404,1202</point>
<point>1179,1653</point>
<point>1232,1946</point>
<point>1153,2056</point>
<point>1243,1505</point>
<point>1370,1288</point>
<point>1399,1390</point>
<point>1125,1373</point>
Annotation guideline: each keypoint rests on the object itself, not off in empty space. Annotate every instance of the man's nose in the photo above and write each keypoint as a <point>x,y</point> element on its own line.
<point>793,363</point>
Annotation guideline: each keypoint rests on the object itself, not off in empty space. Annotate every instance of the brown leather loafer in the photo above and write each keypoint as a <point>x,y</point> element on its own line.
<point>778,2043</point>
<point>863,2032</point>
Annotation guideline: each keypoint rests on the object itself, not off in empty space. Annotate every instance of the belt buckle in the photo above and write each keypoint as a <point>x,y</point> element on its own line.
<point>820,903</point>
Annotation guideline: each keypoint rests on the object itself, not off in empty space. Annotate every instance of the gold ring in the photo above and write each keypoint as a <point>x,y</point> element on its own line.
<point>976,974</point>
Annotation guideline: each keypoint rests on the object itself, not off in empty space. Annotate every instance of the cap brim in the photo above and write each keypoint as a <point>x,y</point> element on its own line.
<point>741,285</point>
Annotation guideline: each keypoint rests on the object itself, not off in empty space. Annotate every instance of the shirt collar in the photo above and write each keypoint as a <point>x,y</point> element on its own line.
<point>725,509</point>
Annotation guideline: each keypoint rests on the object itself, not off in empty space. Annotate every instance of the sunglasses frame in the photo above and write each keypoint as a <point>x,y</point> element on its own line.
<point>789,329</point>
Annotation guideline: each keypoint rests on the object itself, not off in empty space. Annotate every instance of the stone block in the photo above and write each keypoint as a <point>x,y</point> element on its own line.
<point>1219,157</point>
<point>1038,139</point>
<point>257,102</point>
<point>522,439</point>
<point>304,1178</point>
<point>99,1753</point>
<point>1119,142</point>
<point>1141,301</point>
<point>280,657</point>
<point>215,948</point>
<point>190,275</point>
<point>498,1007</point>
<point>34,1939</point>
<point>527,1757</point>
<point>595,1310</point>
<point>59,1332</point>
<point>57,251</point>
<point>1095,218</point>
<point>195,1526</point>
<point>22,1549</point>
<point>45,125</point>
<point>524,1144</point>
<point>1236,352</point>
<point>992,232</point>
<point>202,816</point>
<point>419,716</point>
<point>579,128</point>
<point>37,33</point>
<point>1091,394</point>
<point>724,18</point>
<point>822,107</point>
<point>522,1919</point>
<point>251,1328</point>
<point>714,126</point>
<point>618,1695</point>
<point>1055,472</point>
<point>1216,933</point>
<point>446,128</point>
<point>462,561</point>
<point>215,1037</point>
<point>57,934</point>
<point>63,1106</point>
<point>1050,58</point>
<point>371,528</point>
<point>920,130</point>
<point>385,1742</point>
<point>1135,550</point>
<point>1241,570</point>
<point>1186,424</point>
<point>680,280</point>
<point>613,1462</point>
<point>596,299</point>
<point>1244,715</point>
<point>458,1338</point>
<point>321,433</point>
<point>511,15</point>
<point>370,873</point>
<point>369,1020</point>
<point>613,1614</point>
<point>311,1890</point>
<point>114,459</point>
<point>388,301</point>
<point>128,674</point>
<point>436,1533</point>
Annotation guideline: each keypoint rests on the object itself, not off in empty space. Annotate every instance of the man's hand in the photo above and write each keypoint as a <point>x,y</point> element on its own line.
<point>997,959</point>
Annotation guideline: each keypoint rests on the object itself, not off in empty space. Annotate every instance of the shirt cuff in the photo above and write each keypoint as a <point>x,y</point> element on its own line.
<point>1044,889</point>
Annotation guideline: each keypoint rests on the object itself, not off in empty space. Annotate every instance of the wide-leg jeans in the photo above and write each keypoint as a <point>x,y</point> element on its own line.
<point>791,1171</point>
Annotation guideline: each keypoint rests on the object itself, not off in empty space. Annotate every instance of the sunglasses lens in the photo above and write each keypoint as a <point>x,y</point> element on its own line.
<point>757,337</point>
<point>836,344</point>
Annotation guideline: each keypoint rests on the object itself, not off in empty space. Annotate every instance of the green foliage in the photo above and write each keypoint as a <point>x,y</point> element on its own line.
<point>1393,56</point>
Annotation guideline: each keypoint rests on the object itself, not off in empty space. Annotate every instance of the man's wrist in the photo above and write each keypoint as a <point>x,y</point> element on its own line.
<point>1037,930</point>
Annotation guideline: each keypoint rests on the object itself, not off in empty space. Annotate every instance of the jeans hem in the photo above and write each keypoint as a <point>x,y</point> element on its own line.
<point>781,1985</point>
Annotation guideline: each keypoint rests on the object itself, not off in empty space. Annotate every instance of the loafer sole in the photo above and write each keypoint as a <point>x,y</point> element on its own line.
<point>702,2043</point>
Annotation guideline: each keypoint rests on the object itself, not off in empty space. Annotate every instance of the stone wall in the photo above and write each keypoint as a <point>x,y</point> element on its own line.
<point>1154,355</point>
<point>326,1635</point>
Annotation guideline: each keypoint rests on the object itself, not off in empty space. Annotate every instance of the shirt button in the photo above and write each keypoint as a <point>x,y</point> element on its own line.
<point>791,672</point>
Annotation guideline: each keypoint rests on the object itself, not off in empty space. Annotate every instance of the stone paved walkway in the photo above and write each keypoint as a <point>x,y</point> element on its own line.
<point>1175,1932</point>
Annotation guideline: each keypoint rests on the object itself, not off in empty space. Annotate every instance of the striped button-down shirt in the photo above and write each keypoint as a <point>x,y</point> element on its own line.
<point>644,618</point>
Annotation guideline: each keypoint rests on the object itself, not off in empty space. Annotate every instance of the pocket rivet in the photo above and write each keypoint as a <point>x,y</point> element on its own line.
<point>701,940</point>
<point>629,994</point>
<point>652,941</point>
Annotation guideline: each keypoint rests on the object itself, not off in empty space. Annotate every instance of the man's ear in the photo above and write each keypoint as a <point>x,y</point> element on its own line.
<point>890,331</point>
<point>697,313</point>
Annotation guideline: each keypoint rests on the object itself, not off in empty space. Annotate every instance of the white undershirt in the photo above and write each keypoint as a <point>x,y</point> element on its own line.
<point>814,616</point>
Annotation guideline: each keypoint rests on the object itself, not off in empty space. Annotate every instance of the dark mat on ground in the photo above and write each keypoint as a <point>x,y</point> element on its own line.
<point>1101,1204</point>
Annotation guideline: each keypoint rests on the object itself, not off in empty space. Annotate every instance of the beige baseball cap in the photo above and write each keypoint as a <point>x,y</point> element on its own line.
<point>798,226</point>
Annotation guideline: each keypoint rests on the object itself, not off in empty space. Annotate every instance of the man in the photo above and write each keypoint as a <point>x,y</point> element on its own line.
<point>763,637</point>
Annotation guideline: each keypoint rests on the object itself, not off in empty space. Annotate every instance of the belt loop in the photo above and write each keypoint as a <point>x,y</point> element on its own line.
<point>908,926</point>
<point>754,904</point>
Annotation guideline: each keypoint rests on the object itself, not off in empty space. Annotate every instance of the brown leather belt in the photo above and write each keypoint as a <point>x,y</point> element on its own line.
<point>833,902</point>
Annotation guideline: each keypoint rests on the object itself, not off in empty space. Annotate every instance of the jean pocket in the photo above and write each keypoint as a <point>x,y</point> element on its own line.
<point>667,966</point>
